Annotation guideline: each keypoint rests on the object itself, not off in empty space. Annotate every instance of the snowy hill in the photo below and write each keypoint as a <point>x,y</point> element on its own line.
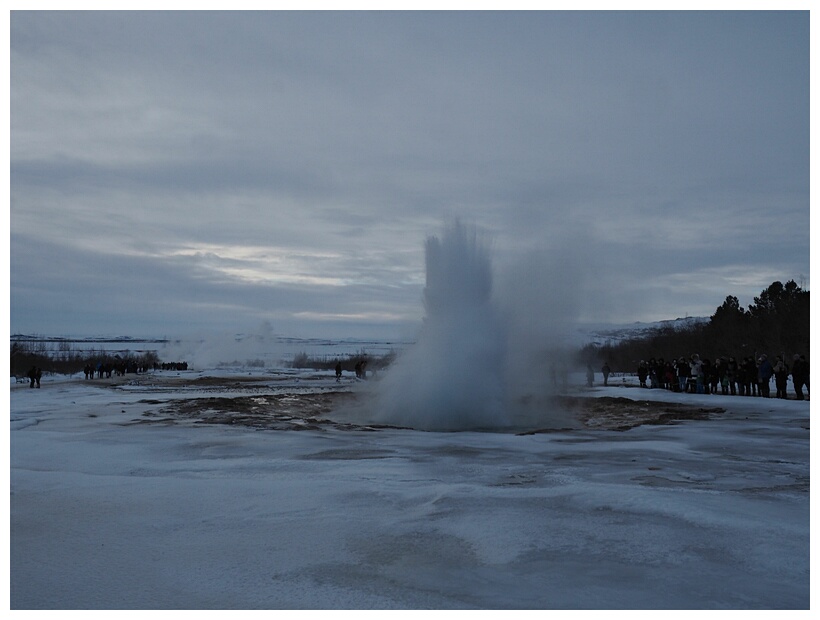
<point>601,334</point>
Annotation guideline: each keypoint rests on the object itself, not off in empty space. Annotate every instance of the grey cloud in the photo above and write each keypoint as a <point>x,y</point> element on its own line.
<point>651,133</point>
<point>172,294</point>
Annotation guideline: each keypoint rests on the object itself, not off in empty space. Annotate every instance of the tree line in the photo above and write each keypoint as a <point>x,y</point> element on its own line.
<point>777,323</point>
<point>324,362</point>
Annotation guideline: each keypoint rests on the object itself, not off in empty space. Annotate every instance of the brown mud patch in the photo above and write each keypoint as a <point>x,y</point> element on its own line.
<point>312,411</point>
<point>234,383</point>
<point>622,414</point>
<point>268,411</point>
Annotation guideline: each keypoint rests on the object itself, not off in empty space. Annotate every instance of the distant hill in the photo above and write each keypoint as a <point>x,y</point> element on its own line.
<point>81,339</point>
<point>598,334</point>
<point>601,334</point>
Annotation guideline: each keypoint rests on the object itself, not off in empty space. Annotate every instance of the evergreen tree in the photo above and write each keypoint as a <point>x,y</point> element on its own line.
<point>728,327</point>
<point>780,318</point>
<point>778,322</point>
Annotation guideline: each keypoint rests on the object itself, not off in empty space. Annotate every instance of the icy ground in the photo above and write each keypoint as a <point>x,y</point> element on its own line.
<point>120,501</point>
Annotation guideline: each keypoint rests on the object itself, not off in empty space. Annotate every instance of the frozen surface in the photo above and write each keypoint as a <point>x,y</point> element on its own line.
<point>111,508</point>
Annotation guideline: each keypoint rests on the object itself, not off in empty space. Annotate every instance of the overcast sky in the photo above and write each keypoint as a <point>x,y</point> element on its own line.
<point>174,172</point>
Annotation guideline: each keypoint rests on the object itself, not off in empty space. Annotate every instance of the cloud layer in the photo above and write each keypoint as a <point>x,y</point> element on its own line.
<point>204,170</point>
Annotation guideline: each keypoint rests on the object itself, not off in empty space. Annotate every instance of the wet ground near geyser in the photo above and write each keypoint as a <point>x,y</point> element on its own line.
<point>308,402</point>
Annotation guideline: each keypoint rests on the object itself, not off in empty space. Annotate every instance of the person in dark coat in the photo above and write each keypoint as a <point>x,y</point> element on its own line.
<point>708,372</point>
<point>653,373</point>
<point>781,376</point>
<point>731,375</point>
<point>670,378</point>
<point>684,370</point>
<point>800,375</point>
<point>696,366</point>
<point>338,371</point>
<point>714,376</point>
<point>605,370</point>
<point>764,375</point>
<point>749,370</point>
<point>643,371</point>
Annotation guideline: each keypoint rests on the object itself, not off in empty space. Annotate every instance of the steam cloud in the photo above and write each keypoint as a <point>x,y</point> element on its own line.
<point>210,350</point>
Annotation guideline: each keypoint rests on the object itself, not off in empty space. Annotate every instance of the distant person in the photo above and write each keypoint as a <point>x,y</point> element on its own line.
<point>653,373</point>
<point>684,372</point>
<point>605,370</point>
<point>338,371</point>
<point>32,375</point>
<point>806,378</point>
<point>722,367</point>
<point>590,375</point>
<point>643,371</point>
<point>749,374</point>
<point>712,376</point>
<point>696,368</point>
<point>781,377</point>
<point>660,373</point>
<point>670,378</point>
<point>764,375</point>
<point>707,371</point>
<point>800,375</point>
<point>732,375</point>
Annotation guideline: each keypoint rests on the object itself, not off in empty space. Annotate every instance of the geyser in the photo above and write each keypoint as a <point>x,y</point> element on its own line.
<point>453,377</point>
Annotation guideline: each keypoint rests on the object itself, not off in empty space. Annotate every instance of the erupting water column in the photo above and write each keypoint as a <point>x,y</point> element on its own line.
<point>452,378</point>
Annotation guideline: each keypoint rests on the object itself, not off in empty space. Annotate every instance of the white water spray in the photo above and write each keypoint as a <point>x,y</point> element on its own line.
<point>452,378</point>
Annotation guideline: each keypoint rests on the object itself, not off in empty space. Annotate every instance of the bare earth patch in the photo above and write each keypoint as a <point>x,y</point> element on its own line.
<point>304,410</point>
<point>621,414</point>
<point>287,412</point>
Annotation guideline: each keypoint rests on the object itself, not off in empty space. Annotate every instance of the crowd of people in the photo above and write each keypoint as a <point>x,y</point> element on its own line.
<point>360,368</point>
<point>105,369</point>
<point>726,375</point>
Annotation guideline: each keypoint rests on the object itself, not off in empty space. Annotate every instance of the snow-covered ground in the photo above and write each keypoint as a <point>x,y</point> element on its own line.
<point>110,508</point>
